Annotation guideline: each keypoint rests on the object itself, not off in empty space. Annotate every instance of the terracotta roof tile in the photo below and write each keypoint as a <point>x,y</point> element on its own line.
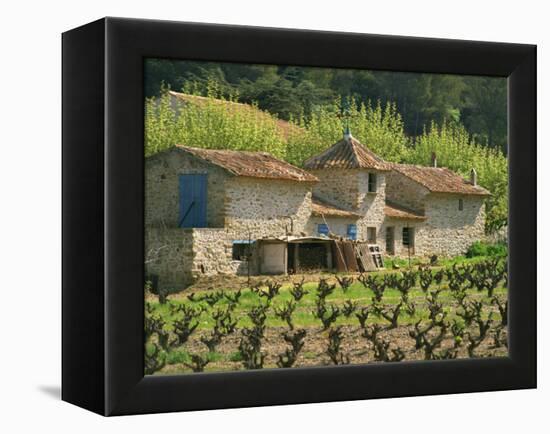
<point>348,153</point>
<point>439,179</point>
<point>395,210</point>
<point>320,207</point>
<point>251,164</point>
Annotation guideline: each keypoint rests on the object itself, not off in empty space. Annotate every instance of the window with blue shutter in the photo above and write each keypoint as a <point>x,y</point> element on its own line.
<point>192,206</point>
<point>322,229</point>
<point>352,232</point>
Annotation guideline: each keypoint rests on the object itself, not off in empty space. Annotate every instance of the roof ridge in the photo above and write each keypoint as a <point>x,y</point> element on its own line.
<point>354,148</point>
<point>439,179</point>
<point>249,163</point>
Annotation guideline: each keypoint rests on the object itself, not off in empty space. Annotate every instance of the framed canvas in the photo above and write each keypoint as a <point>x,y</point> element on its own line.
<point>257,216</point>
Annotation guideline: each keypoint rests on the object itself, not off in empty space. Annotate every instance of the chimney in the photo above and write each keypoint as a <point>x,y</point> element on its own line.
<point>473,177</point>
<point>434,160</point>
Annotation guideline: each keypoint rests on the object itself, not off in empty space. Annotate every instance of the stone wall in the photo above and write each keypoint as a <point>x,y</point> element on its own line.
<point>348,188</point>
<point>448,231</point>
<point>266,208</point>
<point>180,256</point>
<point>405,191</point>
<point>242,207</point>
<point>212,254</point>
<point>169,255</point>
<point>237,207</point>
<point>371,205</point>
<point>398,225</point>
<point>338,186</point>
<point>162,188</point>
<point>337,225</point>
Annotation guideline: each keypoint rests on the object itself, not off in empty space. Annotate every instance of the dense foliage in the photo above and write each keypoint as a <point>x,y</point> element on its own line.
<point>480,248</point>
<point>479,103</point>
<point>215,122</point>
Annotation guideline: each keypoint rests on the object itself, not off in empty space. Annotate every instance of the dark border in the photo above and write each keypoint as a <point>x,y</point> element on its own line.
<point>127,43</point>
<point>82,214</point>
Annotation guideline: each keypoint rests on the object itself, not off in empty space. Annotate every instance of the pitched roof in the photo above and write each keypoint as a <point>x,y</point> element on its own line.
<point>398,211</point>
<point>439,179</point>
<point>320,207</point>
<point>348,153</point>
<point>251,164</point>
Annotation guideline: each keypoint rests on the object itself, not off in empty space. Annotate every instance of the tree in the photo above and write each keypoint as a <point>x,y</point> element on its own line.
<point>485,110</point>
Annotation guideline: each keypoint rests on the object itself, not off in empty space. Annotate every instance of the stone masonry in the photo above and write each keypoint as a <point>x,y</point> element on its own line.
<point>252,207</point>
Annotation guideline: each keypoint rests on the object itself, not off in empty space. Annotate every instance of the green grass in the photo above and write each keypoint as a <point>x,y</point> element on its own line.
<point>178,356</point>
<point>303,315</point>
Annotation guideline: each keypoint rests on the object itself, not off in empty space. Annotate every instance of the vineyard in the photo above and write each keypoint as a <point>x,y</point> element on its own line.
<point>422,313</point>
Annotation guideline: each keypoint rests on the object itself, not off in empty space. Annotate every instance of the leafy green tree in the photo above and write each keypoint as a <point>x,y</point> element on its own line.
<point>484,113</point>
<point>458,151</point>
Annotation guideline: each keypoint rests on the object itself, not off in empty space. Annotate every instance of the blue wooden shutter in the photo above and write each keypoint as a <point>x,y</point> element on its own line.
<point>192,209</point>
<point>322,229</point>
<point>352,232</point>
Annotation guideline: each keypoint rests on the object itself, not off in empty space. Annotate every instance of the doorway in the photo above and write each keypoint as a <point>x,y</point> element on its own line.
<point>390,240</point>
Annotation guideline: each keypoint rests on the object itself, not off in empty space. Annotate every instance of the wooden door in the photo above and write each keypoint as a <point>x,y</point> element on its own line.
<point>192,206</point>
<point>274,258</point>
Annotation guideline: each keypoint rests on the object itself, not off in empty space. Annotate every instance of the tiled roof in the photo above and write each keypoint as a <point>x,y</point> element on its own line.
<point>320,207</point>
<point>251,164</point>
<point>397,211</point>
<point>439,179</point>
<point>348,153</point>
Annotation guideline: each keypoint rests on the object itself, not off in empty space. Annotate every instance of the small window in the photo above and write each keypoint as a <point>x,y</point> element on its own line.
<point>408,237</point>
<point>322,229</point>
<point>241,250</point>
<point>460,204</point>
<point>372,183</point>
<point>352,232</point>
<point>371,235</point>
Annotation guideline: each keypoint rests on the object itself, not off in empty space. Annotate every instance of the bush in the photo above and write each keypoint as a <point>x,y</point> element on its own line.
<point>480,248</point>
<point>499,249</point>
<point>178,357</point>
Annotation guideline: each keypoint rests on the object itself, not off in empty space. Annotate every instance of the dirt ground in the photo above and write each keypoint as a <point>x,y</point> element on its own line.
<point>358,348</point>
<point>228,282</point>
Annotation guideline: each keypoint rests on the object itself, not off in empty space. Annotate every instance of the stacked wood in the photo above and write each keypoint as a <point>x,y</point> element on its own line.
<point>364,256</point>
<point>351,256</point>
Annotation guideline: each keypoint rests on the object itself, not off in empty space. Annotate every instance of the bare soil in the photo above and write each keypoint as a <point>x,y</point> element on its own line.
<point>354,345</point>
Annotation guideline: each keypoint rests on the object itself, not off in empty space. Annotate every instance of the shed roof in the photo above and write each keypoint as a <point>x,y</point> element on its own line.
<point>250,164</point>
<point>320,207</point>
<point>439,179</point>
<point>348,153</point>
<point>398,211</point>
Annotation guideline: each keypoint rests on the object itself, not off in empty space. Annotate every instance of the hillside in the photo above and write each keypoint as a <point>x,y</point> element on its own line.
<point>285,128</point>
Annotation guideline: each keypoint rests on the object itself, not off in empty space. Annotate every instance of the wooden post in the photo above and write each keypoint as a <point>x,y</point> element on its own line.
<point>409,244</point>
<point>337,246</point>
<point>249,256</point>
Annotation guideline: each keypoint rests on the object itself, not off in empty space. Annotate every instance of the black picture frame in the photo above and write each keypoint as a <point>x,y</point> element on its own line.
<point>103,224</point>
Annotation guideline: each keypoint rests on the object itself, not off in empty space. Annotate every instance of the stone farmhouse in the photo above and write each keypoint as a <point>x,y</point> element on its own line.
<point>211,212</point>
